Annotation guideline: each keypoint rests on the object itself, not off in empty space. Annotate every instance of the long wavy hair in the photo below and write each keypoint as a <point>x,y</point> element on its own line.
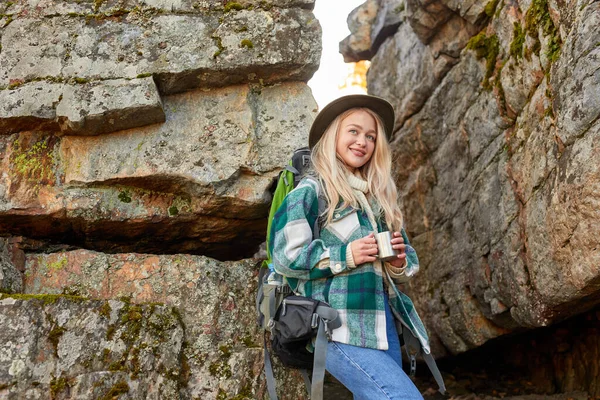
<point>331,171</point>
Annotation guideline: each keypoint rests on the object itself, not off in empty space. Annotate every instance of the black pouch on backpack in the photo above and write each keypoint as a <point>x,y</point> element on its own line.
<point>296,323</point>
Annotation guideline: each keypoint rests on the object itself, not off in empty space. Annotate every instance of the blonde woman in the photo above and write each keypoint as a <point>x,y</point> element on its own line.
<point>338,265</point>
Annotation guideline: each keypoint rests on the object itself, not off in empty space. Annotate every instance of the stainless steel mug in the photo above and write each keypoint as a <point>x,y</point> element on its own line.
<point>384,245</point>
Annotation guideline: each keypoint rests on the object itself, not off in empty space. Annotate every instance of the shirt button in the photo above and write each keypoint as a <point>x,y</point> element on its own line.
<point>338,267</point>
<point>337,215</point>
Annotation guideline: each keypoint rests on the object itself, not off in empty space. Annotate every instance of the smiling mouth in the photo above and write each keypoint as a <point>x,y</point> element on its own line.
<point>358,153</point>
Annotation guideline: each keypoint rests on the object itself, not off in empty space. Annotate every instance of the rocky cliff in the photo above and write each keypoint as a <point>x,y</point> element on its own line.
<point>497,158</point>
<point>138,144</point>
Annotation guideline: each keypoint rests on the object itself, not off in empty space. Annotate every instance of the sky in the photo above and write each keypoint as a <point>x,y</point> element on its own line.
<point>332,15</point>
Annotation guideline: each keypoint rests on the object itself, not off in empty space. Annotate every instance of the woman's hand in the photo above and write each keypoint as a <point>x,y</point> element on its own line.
<point>364,250</point>
<point>398,244</point>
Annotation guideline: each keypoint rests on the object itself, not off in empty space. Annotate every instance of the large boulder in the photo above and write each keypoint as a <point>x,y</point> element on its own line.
<point>62,347</point>
<point>222,349</point>
<point>78,66</point>
<point>498,164</point>
<point>199,183</point>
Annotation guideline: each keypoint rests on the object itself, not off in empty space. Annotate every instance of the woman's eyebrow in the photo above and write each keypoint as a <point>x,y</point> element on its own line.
<point>360,127</point>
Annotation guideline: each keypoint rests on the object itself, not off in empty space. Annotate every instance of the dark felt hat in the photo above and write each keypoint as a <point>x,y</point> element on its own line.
<point>326,116</point>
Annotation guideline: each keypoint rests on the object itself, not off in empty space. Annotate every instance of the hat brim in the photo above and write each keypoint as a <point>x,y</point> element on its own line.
<point>326,116</point>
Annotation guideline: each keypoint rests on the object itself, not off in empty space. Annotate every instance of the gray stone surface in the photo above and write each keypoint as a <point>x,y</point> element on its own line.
<point>108,106</point>
<point>81,109</point>
<point>49,8</point>
<point>403,58</point>
<point>222,351</point>
<point>182,51</point>
<point>196,183</point>
<point>499,177</point>
<point>12,264</point>
<point>357,46</point>
<point>67,347</point>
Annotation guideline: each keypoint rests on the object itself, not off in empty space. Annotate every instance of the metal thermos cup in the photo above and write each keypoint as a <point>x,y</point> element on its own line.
<point>384,244</point>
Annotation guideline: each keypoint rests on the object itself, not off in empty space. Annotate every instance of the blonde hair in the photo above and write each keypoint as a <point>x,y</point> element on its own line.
<point>377,172</point>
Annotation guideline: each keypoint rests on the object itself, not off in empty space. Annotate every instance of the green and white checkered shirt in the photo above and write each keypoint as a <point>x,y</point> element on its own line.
<point>317,268</point>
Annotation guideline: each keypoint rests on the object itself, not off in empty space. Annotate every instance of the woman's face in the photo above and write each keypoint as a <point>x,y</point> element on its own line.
<point>356,139</point>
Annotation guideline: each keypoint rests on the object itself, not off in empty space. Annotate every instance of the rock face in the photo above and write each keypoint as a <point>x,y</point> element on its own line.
<point>172,187</point>
<point>139,142</point>
<point>496,154</point>
<point>222,352</point>
<point>75,348</point>
<point>185,46</point>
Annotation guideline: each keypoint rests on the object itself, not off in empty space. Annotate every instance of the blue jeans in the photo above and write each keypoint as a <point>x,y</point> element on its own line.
<point>372,374</point>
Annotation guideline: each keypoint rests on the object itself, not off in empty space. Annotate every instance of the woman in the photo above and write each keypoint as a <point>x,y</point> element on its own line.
<point>332,257</point>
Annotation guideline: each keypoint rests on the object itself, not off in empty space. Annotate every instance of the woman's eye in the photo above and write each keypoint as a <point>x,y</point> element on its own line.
<point>371,138</point>
<point>353,131</point>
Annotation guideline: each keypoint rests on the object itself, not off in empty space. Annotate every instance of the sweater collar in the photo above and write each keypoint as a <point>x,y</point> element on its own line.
<point>357,183</point>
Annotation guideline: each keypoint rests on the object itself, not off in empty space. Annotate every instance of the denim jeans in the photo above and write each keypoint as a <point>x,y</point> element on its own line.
<point>372,374</point>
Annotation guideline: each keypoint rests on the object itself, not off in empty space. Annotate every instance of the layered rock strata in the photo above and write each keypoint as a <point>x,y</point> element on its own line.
<point>496,154</point>
<point>128,131</point>
<point>195,184</point>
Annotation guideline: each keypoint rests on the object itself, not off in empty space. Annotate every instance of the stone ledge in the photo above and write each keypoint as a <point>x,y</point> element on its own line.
<point>81,109</point>
<point>193,184</point>
<point>46,8</point>
<point>182,51</point>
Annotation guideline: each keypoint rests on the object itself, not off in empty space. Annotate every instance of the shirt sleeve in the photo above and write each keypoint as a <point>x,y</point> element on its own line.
<point>411,264</point>
<point>296,254</point>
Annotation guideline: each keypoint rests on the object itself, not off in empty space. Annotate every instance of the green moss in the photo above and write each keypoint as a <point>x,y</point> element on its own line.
<point>225,351</point>
<point>97,4</point>
<point>516,46</point>
<point>145,75</point>
<point>54,337</point>
<point>220,369</point>
<point>106,356</point>
<point>110,332</point>
<point>9,19</point>
<point>248,342</point>
<point>124,196</point>
<point>487,47</point>
<point>247,43</point>
<point>538,15</point>
<point>244,394</point>
<point>173,210</point>
<point>34,162</point>
<point>221,395</point>
<point>45,298</point>
<point>105,310</point>
<point>554,46</point>
<point>400,8</point>
<point>58,265</point>
<point>57,385</point>
<point>491,7</point>
<point>80,80</point>
<point>219,44</point>
<point>118,365</point>
<point>233,5</point>
<point>118,389</point>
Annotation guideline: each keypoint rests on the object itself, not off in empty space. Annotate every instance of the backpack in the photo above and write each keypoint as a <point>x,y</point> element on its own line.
<point>293,321</point>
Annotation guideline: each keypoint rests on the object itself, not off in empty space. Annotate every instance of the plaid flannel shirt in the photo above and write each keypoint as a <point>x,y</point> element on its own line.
<point>317,268</point>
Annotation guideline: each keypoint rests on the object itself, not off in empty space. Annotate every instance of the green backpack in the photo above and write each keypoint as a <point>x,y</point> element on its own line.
<point>272,290</point>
